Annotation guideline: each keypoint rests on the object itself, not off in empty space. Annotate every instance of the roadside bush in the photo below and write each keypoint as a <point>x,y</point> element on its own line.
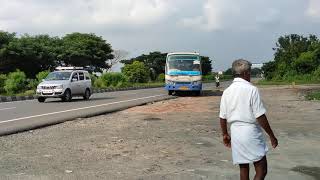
<point>136,72</point>
<point>113,79</point>
<point>316,74</point>
<point>32,84</point>
<point>209,77</point>
<point>42,75</point>
<point>99,83</point>
<point>226,77</point>
<point>161,77</point>
<point>93,78</point>
<point>3,78</point>
<point>123,84</point>
<point>15,82</point>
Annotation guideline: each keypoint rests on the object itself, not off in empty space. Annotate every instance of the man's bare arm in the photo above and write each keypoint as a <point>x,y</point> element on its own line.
<point>263,121</point>
<point>224,128</point>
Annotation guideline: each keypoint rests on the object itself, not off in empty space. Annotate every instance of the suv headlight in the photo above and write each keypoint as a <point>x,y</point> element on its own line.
<point>169,82</point>
<point>59,87</point>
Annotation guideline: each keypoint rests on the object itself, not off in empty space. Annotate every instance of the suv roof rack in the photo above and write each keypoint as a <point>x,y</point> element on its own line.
<point>60,68</point>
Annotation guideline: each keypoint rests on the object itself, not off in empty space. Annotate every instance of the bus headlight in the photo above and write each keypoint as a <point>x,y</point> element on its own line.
<point>196,83</point>
<point>169,82</point>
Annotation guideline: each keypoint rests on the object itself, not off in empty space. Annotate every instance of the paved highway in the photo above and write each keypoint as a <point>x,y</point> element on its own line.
<point>25,115</point>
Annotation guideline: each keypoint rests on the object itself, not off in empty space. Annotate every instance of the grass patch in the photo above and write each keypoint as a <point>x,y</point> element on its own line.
<point>26,93</point>
<point>297,82</point>
<point>313,95</point>
<point>151,84</point>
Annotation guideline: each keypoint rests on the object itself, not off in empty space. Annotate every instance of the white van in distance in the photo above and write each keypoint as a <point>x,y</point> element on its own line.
<point>65,83</point>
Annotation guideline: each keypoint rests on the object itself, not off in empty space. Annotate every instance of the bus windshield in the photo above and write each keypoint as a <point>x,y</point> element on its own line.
<point>184,63</point>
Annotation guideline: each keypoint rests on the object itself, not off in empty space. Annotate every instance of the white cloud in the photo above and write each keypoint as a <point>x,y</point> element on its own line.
<point>314,9</point>
<point>130,12</point>
<point>45,14</point>
<point>245,14</point>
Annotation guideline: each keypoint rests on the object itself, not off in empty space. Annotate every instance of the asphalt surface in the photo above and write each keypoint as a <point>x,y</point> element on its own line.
<point>25,115</point>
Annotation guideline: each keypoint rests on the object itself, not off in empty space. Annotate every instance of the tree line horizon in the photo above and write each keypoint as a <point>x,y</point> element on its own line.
<point>294,55</point>
<point>35,53</point>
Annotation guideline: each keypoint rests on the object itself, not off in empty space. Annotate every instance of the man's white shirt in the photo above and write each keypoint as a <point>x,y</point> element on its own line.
<point>241,102</point>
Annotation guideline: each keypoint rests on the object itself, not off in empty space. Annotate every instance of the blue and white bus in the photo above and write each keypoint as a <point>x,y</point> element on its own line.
<point>183,72</point>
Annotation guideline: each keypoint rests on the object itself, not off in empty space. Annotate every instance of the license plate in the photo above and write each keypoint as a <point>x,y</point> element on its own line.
<point>47,91</point>
<point>184,88</point>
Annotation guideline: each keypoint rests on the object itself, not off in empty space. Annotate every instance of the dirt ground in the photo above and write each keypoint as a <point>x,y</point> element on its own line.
<point>176,139</point>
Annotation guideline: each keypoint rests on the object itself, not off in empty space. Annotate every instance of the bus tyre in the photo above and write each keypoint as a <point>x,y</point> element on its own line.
<point>170,92</point>
<point>41,99</point>
<point>198,93</point>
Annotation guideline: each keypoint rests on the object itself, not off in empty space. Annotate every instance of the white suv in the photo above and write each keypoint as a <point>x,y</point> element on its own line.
<point>65,83</point>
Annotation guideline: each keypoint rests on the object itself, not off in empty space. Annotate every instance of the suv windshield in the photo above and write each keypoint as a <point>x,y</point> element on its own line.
<point>53,76</point>
<point>184,63</point>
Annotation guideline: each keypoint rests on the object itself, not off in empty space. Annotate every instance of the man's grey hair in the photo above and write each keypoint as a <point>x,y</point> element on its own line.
<point>240,66</point>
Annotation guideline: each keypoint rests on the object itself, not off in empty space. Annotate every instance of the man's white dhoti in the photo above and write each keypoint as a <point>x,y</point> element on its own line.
<point>247,142</point>
<point>240,106</point>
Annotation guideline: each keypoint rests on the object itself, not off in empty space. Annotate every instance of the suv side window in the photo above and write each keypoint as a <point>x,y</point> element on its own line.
<point>75,76</point>
<point>87,76</point>
<point>81,76</point>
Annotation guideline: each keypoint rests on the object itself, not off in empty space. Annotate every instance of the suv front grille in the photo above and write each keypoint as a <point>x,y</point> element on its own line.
<point>48,87</point>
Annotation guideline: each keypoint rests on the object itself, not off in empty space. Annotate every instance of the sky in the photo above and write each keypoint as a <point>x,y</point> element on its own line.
<point>224,30</point>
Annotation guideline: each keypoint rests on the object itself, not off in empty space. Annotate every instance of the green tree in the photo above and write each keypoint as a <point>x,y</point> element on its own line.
<point>154,61</point>
<point>288,50</point>
<point>136,72</point>
<point>305,63</point>
<point>42,75</point>
<point>228,72</point>
<point>16,82</point>
<point>206,65</point>
<point>268,69</point>
<point>81,49</point>
<point>3,78</point>
<point>6,38</point>
<point>31,54</point>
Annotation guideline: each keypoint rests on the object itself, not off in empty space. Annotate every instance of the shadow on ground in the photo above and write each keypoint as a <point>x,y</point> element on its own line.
<point>203,94</point>
<point>79,100</point>
<point>311,171</point>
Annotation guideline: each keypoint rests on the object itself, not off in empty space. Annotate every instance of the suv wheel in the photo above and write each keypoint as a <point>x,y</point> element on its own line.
<point>87,95</point>
<point>41,99</point>
<point>67,96</point>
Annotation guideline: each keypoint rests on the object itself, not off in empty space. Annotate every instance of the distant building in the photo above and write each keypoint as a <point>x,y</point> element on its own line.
<point>256,70</point>
<point>256,65</point>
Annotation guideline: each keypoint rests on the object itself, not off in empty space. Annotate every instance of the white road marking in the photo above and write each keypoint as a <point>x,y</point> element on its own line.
<point>77,109</point>
<point>11,102</point>
<point>7,108</point>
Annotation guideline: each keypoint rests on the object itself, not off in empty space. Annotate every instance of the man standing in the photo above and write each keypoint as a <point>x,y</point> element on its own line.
<point>242,107</point>
<point>217,80</point>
